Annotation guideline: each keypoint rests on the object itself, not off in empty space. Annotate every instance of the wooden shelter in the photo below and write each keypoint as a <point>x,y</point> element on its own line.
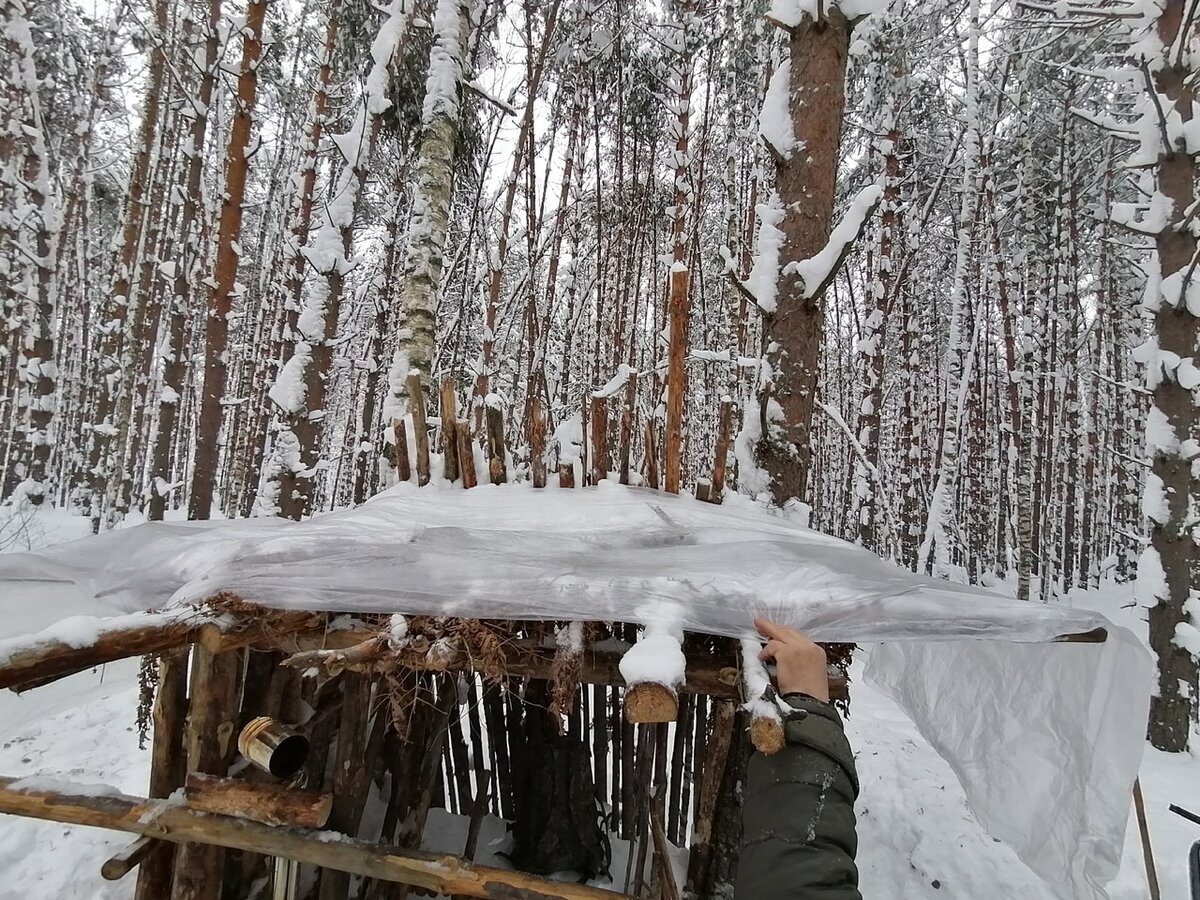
<point>386,718</point>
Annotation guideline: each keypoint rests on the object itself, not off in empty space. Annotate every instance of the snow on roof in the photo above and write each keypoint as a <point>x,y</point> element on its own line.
<point>1045,738</point>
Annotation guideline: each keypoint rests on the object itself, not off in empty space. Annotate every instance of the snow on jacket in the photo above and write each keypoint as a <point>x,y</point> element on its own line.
<point>798,829</point>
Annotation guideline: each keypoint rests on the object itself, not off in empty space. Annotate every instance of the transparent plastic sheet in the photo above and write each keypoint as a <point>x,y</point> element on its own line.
<point>1073,714</point>
<point>1046,740</point>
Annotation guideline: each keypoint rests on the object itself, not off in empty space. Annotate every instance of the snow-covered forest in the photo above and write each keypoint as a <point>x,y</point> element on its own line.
<point>923,274</point>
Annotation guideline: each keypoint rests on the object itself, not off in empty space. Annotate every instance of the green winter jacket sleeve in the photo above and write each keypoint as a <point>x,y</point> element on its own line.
<point>798,831</point>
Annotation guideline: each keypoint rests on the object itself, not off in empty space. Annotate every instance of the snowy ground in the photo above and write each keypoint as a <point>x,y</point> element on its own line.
<point>917,837</point>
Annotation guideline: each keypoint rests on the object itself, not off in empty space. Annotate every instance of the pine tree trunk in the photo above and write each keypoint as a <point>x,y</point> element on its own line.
<point>225,269</point>
<point>1172,491</point>
<point>806,182</point>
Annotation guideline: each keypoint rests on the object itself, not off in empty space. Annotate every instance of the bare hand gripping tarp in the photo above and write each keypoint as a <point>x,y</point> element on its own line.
<point>1045,738</point>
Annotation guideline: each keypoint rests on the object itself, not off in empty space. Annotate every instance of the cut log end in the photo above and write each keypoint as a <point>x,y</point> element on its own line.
<point>767,735</point>
<point>648,702</point>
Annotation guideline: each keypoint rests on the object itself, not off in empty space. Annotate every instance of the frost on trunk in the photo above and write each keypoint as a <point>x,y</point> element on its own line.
<point>224,286</point>
<point>1169,571</point>
<point>300,390</point>
<point>27,173</point>
<point>424,251</point>
<point>935,548</point>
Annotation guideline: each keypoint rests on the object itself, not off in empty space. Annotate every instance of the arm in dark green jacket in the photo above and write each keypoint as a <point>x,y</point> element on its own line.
<point>798,830</point>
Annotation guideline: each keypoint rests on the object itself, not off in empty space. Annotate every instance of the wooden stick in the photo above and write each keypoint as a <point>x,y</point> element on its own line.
<point>449,430</point>
<point>466,454</point>
<point>403,467</point>
<point>1139,805</point>
<point>271,804</point>
<point>599,421</point>
<point>497,471</point>
<point>416,396</point>
<point>125,861</point>
<point>720,462</point>
<point>176,822</point>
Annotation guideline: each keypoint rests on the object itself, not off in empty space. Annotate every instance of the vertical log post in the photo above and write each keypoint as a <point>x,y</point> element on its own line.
<point>599,422</point>
<point>707,793</point>
<point>416,395</point>
<point>627,416</point>
<point>449,412</point>
<point>537,442</point>
<point>403,467</point>
<point>211,738</point>
<point>724,427</point>
<point>167,766</point>
<point>466,454</point>
<point>497,471</point>
<point>651,456</point>
<point>350,773</point>
<point>566,475</point>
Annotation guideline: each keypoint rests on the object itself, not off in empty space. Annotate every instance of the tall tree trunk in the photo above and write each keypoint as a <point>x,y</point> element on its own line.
<point>806,181</point>
<point>225,271</point>
<point>1172,491</point>
<point>425,246</point>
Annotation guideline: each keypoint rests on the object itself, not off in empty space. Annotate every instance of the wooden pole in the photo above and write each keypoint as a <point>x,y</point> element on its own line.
<point>416,394</point>
<point>599,420</point>
<point>724,428</point>
<point>403,467</point>
<point>651,456</point>
<point>466,454</point>
<point>707,794</point>
<point>166,820</point>
<point>627,418</point>
<point>566,475</point>
<point>167,766</point>
<point>537,442</point>
<point>497,471</point>
<point>449,430</point>
<point>211,739</point>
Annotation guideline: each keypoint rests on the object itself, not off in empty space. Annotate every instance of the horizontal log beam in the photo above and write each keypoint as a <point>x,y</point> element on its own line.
<point>715,675</point>
<point>173,821</point>
<point>269,803</point>
<point>42,658</point>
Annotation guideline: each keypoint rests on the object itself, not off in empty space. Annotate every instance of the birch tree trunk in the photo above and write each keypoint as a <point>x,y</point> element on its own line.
<point>425,245</point>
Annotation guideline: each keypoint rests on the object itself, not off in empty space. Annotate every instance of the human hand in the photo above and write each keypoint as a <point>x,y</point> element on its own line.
<point>800,665</point>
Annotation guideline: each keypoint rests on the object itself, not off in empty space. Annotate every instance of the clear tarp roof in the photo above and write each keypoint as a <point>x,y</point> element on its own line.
<point>1046,738</point>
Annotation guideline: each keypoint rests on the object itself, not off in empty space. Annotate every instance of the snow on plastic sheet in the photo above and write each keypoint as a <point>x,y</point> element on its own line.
<point>1046,740</point>
<point>606,553</point>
